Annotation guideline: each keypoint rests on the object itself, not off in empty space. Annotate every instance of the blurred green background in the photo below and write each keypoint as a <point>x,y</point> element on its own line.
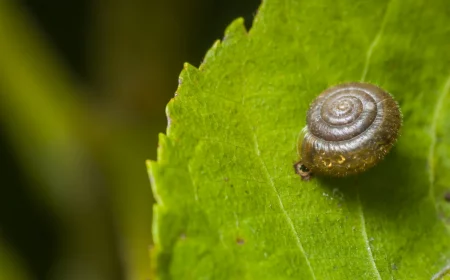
<point>83,89</point>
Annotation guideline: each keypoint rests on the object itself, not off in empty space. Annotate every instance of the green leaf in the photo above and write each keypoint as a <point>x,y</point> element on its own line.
<point>229,205</point>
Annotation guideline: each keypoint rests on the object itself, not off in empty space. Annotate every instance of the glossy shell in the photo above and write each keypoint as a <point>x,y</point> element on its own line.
<point>350,128</point>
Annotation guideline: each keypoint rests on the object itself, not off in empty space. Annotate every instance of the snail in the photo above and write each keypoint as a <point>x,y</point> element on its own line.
<point>350,128</point>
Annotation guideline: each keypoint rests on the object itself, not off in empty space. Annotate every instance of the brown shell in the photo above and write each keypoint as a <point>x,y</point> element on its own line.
<point>350,128</point>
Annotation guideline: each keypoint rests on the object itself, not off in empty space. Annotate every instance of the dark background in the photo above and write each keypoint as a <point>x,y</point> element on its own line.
<point>125,56</point>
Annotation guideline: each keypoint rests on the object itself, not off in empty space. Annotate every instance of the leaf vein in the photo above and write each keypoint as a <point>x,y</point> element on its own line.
<point>285,214</point>
<point>433,131</point>
<point>374,43</point>
<point>366,239</point>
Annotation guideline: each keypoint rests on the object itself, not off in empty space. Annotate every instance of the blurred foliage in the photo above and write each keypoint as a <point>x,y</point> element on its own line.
<point>83,88</point>
<point>10,264</point>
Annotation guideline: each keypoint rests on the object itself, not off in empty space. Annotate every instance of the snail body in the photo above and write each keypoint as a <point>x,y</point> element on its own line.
<point>350,128</point>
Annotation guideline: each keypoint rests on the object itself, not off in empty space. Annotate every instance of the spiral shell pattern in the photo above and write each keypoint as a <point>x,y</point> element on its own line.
<point>350,128</point>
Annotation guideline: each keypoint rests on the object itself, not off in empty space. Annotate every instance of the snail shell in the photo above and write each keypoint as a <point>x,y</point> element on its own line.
<point>350,128</point>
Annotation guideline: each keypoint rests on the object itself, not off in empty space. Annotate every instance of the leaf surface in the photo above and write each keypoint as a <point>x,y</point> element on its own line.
<point>229,205</point>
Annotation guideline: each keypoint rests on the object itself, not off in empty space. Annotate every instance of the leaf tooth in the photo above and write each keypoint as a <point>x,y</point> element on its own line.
<point>153,170</point>
<point>235,32</point>
<point>163,145</point>
<point>173,110</point>
<point>169,110</point>
<point>210,55</point>
<point>153,249</point>
<point>156,169</point>
<point>157,256</point>
<point>189,73</point>
<point>189,68</point>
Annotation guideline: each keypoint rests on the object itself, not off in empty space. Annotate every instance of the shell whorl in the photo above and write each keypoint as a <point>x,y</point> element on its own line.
<point>350,128</point>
